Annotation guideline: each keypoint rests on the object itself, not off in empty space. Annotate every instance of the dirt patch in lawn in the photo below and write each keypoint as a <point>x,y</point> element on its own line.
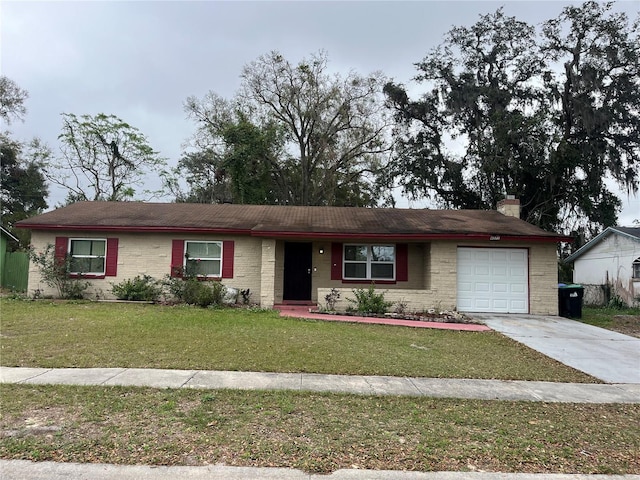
<point>627,324</point>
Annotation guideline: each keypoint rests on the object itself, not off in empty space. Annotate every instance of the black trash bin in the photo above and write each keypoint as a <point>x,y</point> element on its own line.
<point>570,300</point>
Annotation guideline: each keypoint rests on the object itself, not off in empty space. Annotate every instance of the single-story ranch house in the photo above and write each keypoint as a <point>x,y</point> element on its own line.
<point>469,260</point>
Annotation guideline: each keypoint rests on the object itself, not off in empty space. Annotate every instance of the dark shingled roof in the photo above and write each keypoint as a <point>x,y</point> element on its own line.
<point>633,231</point>
<point>269,220</point>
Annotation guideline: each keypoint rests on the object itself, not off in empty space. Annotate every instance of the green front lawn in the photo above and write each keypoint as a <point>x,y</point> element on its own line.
<point>62,334</point>
<point>313,431</point>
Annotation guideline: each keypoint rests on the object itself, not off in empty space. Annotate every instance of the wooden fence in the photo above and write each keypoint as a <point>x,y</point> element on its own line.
<point>16,271</point>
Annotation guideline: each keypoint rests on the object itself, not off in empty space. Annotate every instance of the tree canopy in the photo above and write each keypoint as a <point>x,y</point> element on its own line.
<point>23,188</point>
<point>102,158</point>
<point>294,134</point>
<point>12,99</point>
<point>545,116</point>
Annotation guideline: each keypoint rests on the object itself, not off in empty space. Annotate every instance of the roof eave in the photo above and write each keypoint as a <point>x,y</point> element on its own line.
<point>417,236</point>
<point>9,234</point>
<point>301,235</point>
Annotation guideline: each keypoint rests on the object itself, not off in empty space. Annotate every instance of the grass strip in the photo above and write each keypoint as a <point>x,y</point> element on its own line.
<point>66,334</point>
<point>314,432</point>
<point>622,320</point>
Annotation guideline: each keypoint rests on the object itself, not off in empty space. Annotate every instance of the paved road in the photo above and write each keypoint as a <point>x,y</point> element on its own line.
<point>606,355</point>
<point>24,470</point>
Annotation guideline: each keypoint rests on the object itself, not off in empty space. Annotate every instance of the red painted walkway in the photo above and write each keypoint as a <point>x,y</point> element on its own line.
<point>302,311</point>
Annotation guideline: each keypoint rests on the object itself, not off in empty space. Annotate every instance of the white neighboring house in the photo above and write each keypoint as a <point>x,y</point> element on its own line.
<point>609,265</point>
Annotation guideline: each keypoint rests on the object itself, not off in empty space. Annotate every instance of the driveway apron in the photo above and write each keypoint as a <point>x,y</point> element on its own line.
<point>606,355</point>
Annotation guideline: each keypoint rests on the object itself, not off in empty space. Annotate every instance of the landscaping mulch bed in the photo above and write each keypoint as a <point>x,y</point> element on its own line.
<point>430,316</point>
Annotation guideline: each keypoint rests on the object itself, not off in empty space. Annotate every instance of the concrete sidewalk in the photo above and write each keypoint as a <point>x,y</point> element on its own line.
<point>312,382</point>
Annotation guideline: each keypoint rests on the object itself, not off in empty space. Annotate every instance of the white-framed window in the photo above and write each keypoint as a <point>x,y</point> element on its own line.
<point>88,255</point>
<point>635,270</point>
<point>369,262</point>
<point>203,259</point>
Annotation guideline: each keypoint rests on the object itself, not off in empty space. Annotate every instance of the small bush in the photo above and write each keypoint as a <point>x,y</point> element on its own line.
<point>174,288</point>
<point>368,301</point>
<point>141,289</point>
<point>55,274</point>
<point>195,292</point>
<point>75,289</point>
<point>616,303</point>
<point>332,298</point>
<point>246,296</point>
<point>400,306</point>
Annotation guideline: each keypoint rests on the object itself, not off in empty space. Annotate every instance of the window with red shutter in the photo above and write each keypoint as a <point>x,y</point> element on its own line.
<point>212,259</point>
<point>402,262</point>
<point>88,256</point>
<point>228,252</point>
<point>111,268</point>
<point>354,263</point>
<point>61,249</point>
<point>177,258</point>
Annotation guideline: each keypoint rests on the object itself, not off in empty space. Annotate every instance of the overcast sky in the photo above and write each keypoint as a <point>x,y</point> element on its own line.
<point>141,60</point>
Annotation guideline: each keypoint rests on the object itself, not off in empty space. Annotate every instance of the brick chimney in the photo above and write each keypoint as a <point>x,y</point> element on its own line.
<point>510,206</point>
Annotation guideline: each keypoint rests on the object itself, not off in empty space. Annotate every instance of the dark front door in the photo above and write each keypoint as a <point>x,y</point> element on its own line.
<point>297,271</point>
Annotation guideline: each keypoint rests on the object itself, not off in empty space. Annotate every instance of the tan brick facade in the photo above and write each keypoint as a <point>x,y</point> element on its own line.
<point>150,254</point>
<point>259,266</point>
<point>438,274</point>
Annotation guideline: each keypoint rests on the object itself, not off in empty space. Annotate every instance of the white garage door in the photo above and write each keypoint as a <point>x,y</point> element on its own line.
<point>493,280</point>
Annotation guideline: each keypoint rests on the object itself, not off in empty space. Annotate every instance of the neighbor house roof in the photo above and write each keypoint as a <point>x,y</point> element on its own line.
<point>7,233</point>
<point>288,221</point>
<point>630,232</point>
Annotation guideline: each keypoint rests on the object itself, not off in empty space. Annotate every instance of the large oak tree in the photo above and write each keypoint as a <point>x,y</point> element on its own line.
<point>297,134</point>
<point>546,116</point>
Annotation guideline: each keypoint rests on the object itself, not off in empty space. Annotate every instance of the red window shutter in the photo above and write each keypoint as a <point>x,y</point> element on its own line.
<point>111,264</point>
<point>228,247</point>
<point>62,243</point>
<point>177,257</point>
<point>402,262</point>
<point>336,261</point>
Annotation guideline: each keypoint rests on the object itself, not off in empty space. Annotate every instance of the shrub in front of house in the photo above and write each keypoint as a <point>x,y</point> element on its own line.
<point>368,302</point>
<point>55,274</point>
<point>140,289</point>
<point>331,299</point>
<point>196,292</point>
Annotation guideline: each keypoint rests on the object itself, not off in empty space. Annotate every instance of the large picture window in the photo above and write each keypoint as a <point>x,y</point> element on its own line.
<point>369,262</point>
<point>87,256</point>
<point>203,258</point>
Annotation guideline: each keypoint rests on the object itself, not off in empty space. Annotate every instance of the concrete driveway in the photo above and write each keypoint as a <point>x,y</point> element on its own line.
<point>606,355</point>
